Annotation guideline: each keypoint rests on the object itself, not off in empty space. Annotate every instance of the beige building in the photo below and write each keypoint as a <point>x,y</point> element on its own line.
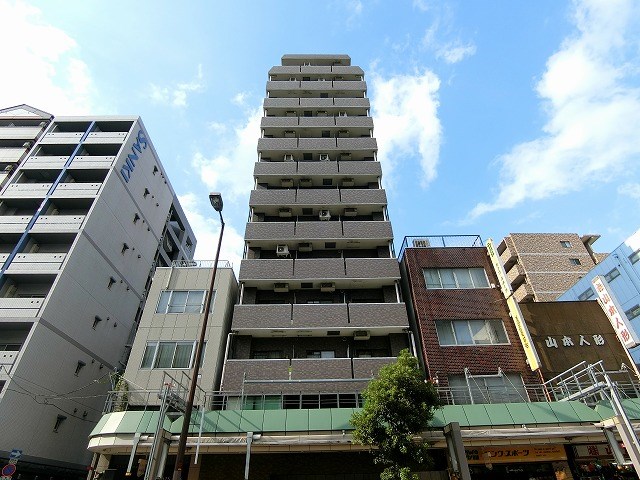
<point>542,266</point>
<point>170,325</point>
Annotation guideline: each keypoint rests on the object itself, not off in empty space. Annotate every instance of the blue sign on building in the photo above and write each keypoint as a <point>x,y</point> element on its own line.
<point>130,163</point>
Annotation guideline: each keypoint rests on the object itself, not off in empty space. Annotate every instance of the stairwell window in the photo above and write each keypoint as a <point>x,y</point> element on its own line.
<point>168,355</point>
<point>587,294</point>
<point>471,332</point>
<point>565,244</point>
<point>455,278</point>
<point>575,261</point>
<point>612,275</point>
<point>182,301</point>
<point>633,312</point>
<point>634,257</point>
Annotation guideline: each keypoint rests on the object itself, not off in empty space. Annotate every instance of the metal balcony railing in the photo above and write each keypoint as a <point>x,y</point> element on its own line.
<point>440,241</point>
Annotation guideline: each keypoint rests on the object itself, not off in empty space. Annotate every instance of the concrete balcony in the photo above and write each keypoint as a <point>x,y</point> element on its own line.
<point>318,230</point>
<point>278,169</point>
<point>46,162</point>
<point>318,197</point>
<point>19,133</point>
<point>93,161</point>
<point>370,315</point>
<point>320,368</point>
<point>360,168</point>
<point>325,316</point>
<point>369,367</point>
<point>272,197</point>
<point>318,122</point>
<point>282,85</point>
<point>262,317</point>
<point>367,230</point>
<point>354,122</point>
<point>36,262</point>
<point>235,370</point>
<point>372,268</point>
<point>58,223</point>
<point>269,231</point>
<point>318,168</point>
<point>318,144</point>
<point>13,224</point>
<point>304,231</point>
<point>106,137</point>
<point>516,275</point>
<point>318,269</point>
<point>264,269</point>
<point>344,70</point>
<point>281,102</point>
<point>62,137</point>
<point>317,102</point>
<point>76,190</point>
<point>277,144</point>
<point>508,253</point>
<point>363,196</point>
<point>524,293</point>
<point>7,359</point>
<point>284,70</point>
<point>352,102</point>
<point>316,85</point>
<point>279,122</point>
<point>11,155</point>
<point>20,307</point>
<point>350,85</point>
<point>27,190</point>
<point>358,143</point>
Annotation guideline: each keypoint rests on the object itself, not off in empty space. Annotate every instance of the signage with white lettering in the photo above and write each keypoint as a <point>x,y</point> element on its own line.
<point>130,163</point>
<point>10,468</point>
<point>616,315</point>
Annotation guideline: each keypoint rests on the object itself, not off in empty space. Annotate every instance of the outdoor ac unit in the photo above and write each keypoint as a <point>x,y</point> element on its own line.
<point>292,79</point>
<point>338,78</point>
<point>324,215</point>
<point>324,157</point>
<point>422,243</point>
<point>286,182</point>
<point>350,212</point>
<point>282,250</point>
<point>321,113</point>
<point>288,157</point>
<point>343,133</point>
<point>342,114</point>
<point>348,182</point>
<point>281,287</point>
<point>345,156</point>
<point>305,247</point>
<point>305,182</point>
<point>361,335</point>
<point>284,212</point>
<point>328,287</point>
<point>290,113</point>
<point>289,134</point>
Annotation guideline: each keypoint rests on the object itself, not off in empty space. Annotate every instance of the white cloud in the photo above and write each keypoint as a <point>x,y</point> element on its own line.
<point>593,111</point>
<point>217,127</point>
<point>435,40</point>
<point>177,95</point>
<point>455,52</point>
<point>423,5</point>
<point>240,99</point>
<point>405,108</point>
<point>230,169</point>
<point>206,227</point>
<point>630,190</point>
<point>41,64</point>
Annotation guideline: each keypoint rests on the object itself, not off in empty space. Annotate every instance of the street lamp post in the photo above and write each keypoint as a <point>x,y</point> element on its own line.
<point>216,202</point>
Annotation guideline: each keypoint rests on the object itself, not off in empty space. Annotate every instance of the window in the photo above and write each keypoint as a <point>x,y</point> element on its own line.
<point>635,256</point>
<point>575,261</point>
<point>504,388</point>
<point>456,278</point>
<point>168,355</point>
<point>587,294</point>
<point>471,332</point>
<point>182,301</point>
<point>565,243</point>
<point>633,312</point>
<point>267,354</point>
<point>611,275</point>
<point>9,347</point>
<point>321,354</point>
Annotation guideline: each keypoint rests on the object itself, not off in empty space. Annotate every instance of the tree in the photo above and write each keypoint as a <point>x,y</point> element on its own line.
<point>399,404</point>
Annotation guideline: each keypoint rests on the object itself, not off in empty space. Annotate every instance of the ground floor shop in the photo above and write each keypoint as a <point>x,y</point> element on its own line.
<point>519,462</point>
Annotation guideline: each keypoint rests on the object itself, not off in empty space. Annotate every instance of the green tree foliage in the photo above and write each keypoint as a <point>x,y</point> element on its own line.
<point>399,404</point>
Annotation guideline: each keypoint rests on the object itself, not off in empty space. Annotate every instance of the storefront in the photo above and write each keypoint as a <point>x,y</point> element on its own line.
<point>595,461</point>
<point>518,462</point>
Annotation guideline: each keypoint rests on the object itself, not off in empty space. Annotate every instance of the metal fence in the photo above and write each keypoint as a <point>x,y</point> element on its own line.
<point>439,241</point>
<point>201,263</point>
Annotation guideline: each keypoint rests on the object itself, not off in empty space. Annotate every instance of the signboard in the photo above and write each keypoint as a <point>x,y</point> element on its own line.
<point>514,308</point>
<point>614,313</point>
<point>129,165</point>
<point>515,454</point>
<point>10,468</point>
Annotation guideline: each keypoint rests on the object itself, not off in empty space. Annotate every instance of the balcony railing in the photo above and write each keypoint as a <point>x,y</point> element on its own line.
<point>20,307</point>
<point>440,241</point>
<point>201,263</point>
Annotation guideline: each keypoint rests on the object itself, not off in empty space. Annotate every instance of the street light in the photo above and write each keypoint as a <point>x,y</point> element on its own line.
<point>216,202</point>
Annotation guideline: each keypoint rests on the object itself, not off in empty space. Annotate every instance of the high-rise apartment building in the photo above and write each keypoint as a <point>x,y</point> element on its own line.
<point>84,220</point>
<point>542,266</point>
<point>320,307</point>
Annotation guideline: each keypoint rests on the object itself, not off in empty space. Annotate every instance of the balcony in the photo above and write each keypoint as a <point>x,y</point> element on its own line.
<point>13,224</point>
<point>370,315</point>
<point>20,307</point>
<point>106,137</point>
<point>318,230</point>
<point>360,168</point>
<point>251,317</point>
<point>343,167</point>
<point>284,70</point>
<point>354,122</point>
<point>279,122</point>
<point>318,144</point>
<point>252,370</point>
<point>93,161</point>
<point>7,359</point>
<point>272,197</point>
<point>281,102</point>
<point>318,122</point>
<point>367,230</point>
<point>19,133</point>
<point>27,190</point>
<point>516,275</point>
<point>62,137</point>
<point>508,254</point>
<point>11,155</point>
<point>277,169</point>
<point>363,196</point>
<point>304,231</point>
<point>318,268</point>
<point>36,262</point>
<point>278,144</point>
<point>318,168</point>
<point>368,367</point>
<point>358,143</point>
<point>49,162</point>
<point>320,368</point>
<point>384,268</point>
<point>265,269</point>
<point>524,293</point>
<point>324,316</point>
<point>318,197</point>
<point>57,223</point>
<point>74,190</point>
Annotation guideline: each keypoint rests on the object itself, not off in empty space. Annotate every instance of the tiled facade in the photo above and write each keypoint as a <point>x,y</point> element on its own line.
<point>320,307</point>
<point>542,266</point>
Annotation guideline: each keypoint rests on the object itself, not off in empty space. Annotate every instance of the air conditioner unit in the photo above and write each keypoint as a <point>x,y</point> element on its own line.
<point>284,212</point>
<point>345,156</point>
<point>324,215</point>
<point>292,79</point>
<point>286,182</point>
<point>288,157</point>
<point>289,134</point>
<point>281,287</point>
<point>421,243</point>
<point>350,212</point>
<point>306,182</point>
<point>282,250</point>
<point>361,335</point>
<point>327,287</point>
<point>324,157</point>
<point>342,114</point>
<point>339,77</point>
<point>305,247</point>
<point>321,113</point>
<point>348,182</point>
<point>290,113</point>
<point>343,133</point>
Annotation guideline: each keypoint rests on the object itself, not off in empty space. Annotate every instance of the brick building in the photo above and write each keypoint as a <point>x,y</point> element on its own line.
<point>468,342</point>
<point>542,266</point>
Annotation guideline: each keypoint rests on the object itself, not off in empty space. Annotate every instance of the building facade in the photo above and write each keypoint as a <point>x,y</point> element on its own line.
<point>84,220</point>
<point>542,266</point>
<point>320,307</point>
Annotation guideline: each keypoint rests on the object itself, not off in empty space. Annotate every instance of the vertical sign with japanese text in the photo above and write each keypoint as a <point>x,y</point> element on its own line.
<point>614,313</point>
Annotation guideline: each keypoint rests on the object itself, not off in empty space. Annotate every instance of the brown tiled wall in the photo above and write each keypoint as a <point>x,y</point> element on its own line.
<point>489,303</point>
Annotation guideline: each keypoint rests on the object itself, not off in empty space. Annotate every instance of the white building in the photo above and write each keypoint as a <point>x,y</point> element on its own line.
<point>621,270</point>
<point>85,218</point>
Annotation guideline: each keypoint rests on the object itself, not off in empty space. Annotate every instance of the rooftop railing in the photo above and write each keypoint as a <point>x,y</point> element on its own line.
<point>200,263</point>
<point>440,241</point>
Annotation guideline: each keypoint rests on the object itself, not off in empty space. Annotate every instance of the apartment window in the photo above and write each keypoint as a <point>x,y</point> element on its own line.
<point>267,354</point>
<point>79,367</point>
<point>612,274</point>
<point>181,301</point>
<point>504,388</point>
<point>575,261</point>
<point>168,355</point>
<point>565,243</point>
<point>321,354</point>
<point>456,278</point>
<point>587,294</point>
<point>326,134</point>
<point>471,332</point>
<point>307,157</point>
<point>635,256</point>
<point>633,312</point>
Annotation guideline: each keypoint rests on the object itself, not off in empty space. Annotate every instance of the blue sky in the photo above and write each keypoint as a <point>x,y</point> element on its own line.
<point>491,117</point>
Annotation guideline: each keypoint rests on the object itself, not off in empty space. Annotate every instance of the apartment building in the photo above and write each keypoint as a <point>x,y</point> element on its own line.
<point>84,220</point>
<point>542,266</point>
<point>320,307</point>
